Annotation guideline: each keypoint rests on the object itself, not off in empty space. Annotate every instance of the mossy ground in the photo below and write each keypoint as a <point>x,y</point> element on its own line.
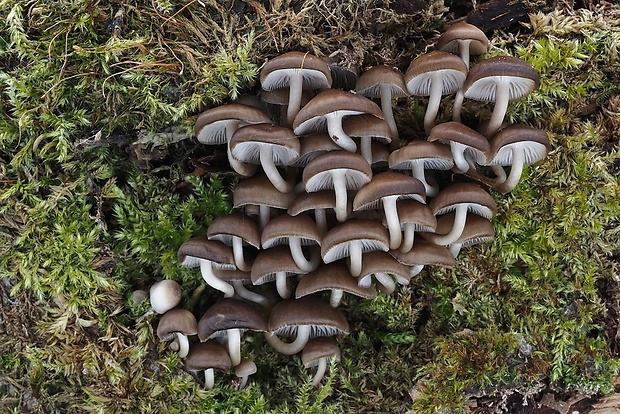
<point>97,101</point>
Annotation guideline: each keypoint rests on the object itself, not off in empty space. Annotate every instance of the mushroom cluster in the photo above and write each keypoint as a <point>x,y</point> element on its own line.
<point>332,201</point>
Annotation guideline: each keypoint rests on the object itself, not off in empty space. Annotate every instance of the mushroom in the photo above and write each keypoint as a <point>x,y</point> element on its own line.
<point>463,39</point>
<point>216,126</point>
<point>477,230</point>
<point>165,295</point>
<point>336,278</point>
<point>228,319</point>
<point>467,146</point>
<point>296,231</point>
<point>177,324</point>
<point>460,198</point>
<point>258,196</point>
<point>382,265</point>
<point>200,251</point>
<point>368,128</point>
<point>275,264</point>
<point>499,79</point>
<point>318,352</point>
<point>236,230</point>
<point>515,146</point>
<point>413,217</point>
<point>326,112</point>
<point>420,156</point>
<point>424,253</point>
<point>303,319</point>
<point>296,71</point>
<point>269,146</point>
<point>351,239</point>
<point>245,368</point>
<point>319,203</point>
<point>208,356</point>
<point>386,83</point>
<point>312,146</point>
<point>435,74</point>
<point>340,171</point>
<point>383,191</point>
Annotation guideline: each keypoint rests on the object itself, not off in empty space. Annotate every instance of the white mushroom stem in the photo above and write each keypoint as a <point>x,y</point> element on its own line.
<point>290,348</point>
<point>183,343</point>
<point>355,257</point>
<point>206,270</point>
<point>244,293</point>
<point>418,171</point>
<point>209,378</point>
<point>336,297</point>
<point>458,105</point>
<point>434,99</point>
<point>464,50</point>
<point>294,96</point>
<point>502,96</point>
<point>237,248</point>
<point>320,372</point>
<point>455,249</point>
<point>264,215</point>
<point>460,216</point>
<point>386,283</point>
<point>337,134</point>
<point>233,341</point>
<point>365,281</point>
<point>243,382</point>
<point>393,222</point>
<point>241,168</point>
<point>304,264</point>
<point>266,160</point>
<point>366,148</point>
<point>415,270</point>
<point>500,173</point>
<point>458,154</point>
<point>516,169</point>
<point>282,285</point>
<point>339,180</point>
<point>320,217</point>
<point>408,238</point>
<point>386,108</point>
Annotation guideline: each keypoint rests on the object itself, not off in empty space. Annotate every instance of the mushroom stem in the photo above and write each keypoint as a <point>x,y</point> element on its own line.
<point>434,100</point>
<point>266,160</point>
<point>455,249</point>
<point>320,372</point>
<point>243,381</point>
<point>337,134</point>
<point>299,258</point>
<point>241,168</point>
<point>355,258</point>
<point>320,217</point>
<point>290,348</point>
<point>386,108</point>
<point>415,270</point>
<point>366,148</point>
<point>282,285</point>
<point>336,297</point>
<point>460,216</point>
<point>233,341</point>
<point>499,111</point>
<point>237,248</point>
<point>206,270</point>
<point>294,96</point>
<point>183,343</point>
<point>418,171</point>
<point>247,294</point>
<point>209,378</point>
<point>264,215</point>
<point>516,169</point>
<point>340,189</point>
<point>393,222</point>
<point>458,154</point>
<point>386,283</point>
<point>464,49</point>
<point>500,173</point>
<point>365,281</point>
<point>458,105</point>
<point>408,238</point>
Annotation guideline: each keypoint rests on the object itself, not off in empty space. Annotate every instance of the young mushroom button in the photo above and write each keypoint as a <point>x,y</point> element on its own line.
<point>296,71</point>
<point>207,357</point>
<point>165,295</point>
<point>319,352</point>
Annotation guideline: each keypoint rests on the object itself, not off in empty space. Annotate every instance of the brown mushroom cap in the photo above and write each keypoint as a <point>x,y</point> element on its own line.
<point>247,141</point>
<point>479,201</point>
<point>464,143</point>
<point>386,184</point>
<point>370,81</point>
<point>190,253</point>
<point>534,141</point>
<point>318,348</point>
<point>425,253</point>
<point>417,214</point>
<point>229,313</point>
<point>463,39</point>
<point>223,228</point>
<point>277,72</point>
<point>207,355</point>
<point>258,190</point>
<point>481,82</point>
<point>333,276</point>
<point>271,261</point>
<point>335,243</point>
<point>213,126</point>
<point>287,315</point>
<point>176,320</point>
<point>282,228</point>
<point>477,229</point>
<point>311,146</point>
<point>420,70</point>
<point>382,265</point>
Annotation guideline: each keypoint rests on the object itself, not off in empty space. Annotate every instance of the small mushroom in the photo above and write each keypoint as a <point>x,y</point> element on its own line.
<point>463,39</point>
<point>296,231</point>
<point>466,145</point>
<point>477,230</point>
<point>368,129</point>
<point>424,253</point>
<point>275,264</point>
<point>413,217</point>
<point>303,319</point>
<point>318,352</point>
<point>383,267</point>
<point>245,368</point>
<point>258,196</point>
<point>177,324</point>
<point>200,251</point>
<point>236,230</point>
<point>319,203</point>
<point>165,295</point>
<point>208,356</point>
